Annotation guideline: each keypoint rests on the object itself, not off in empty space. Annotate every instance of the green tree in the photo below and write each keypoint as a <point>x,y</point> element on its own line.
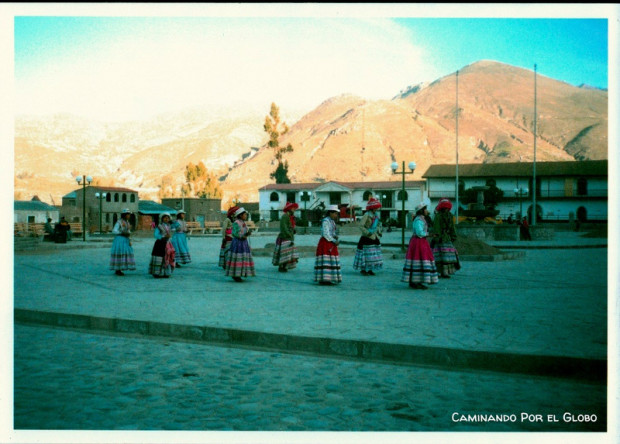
<point>199,182</point>
<point>275,128</point>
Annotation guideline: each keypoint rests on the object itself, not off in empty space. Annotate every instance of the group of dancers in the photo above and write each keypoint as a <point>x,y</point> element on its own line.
<point>425,262</point>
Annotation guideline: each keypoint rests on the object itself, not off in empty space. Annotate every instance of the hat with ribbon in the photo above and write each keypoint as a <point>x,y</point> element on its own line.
<point>290,207</point>
<point>444,203</point>
<point>232,210</point>
<point>373,204</point>
<point>240,211</point>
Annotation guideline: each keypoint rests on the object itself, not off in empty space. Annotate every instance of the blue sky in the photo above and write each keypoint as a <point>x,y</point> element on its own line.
<point>115,68</point>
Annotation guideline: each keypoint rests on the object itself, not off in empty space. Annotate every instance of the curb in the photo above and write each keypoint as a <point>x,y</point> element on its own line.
<point>590,370</point>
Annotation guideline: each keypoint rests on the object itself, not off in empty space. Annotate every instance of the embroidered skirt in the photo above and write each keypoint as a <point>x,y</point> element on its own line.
<point>285,254</point>
<point>239,262</point>
<point>368,255</point>
<point>162,258</point>
<point>179,242</point>
<point>420,265</point>
<point>223,250</point>
<point>446,257</point>
<point>121,254</point>
<point>327,262</point>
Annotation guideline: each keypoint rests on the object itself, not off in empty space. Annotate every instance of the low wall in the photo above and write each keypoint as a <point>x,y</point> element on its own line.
<point>504,232</point>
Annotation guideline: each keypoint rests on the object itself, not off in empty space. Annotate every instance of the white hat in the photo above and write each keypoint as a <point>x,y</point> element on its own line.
<point>240,211</point>
<point>420,206</point>
<point>180,212</point>
<point>161,216</point>
<point>332,208</point>
<point>126,211</point>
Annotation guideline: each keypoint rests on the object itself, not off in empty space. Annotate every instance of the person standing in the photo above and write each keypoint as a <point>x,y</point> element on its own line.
<point>62,230</point>
<point>444,234</point>
<point>121,253</point>
<point>162,256</point>
<point>227,235</point>
<point>327,270</point>
<point>239,261</point>
<point>419,266</point>
<point>368,255</point>
<point>179,240</point>
<point>285,255</point>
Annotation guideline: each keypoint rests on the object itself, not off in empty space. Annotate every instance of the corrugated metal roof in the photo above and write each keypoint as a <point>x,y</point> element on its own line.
<point>150,207</point>
<point>32,205</point>
<point>395,184</point>
<point>523,169</point>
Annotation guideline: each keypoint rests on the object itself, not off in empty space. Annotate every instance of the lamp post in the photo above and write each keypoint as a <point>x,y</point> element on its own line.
<point>83,179</point>
<point>394,166</point>
<point>520,192</point>
<point>100,197</point>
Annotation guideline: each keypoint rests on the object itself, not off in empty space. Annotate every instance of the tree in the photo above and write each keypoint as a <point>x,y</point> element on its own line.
<point>492,196</point>
<point>275,128</point>
<point>200,183</point>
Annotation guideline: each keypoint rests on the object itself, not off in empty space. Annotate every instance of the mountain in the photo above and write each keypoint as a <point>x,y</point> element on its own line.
<point>346,137</point>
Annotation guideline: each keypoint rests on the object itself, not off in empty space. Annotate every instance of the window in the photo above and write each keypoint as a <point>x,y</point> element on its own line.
<point>108,197</point>
<point>335,197</point>
<point>274,197</point>
<point>132,198</point>
<point>107,216</point>
<point>30,219</point>
<point>124,197</point>
<point>582,186</point>
<point>402,195</point>
<point>367,195</point>
<point>290,196</point>
<point>115,197</point>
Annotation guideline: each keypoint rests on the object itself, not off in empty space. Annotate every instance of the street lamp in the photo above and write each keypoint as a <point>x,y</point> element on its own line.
<point>83,179</point>
<point>520,192</point>
<point>394,166</point>
<point>100,197</point>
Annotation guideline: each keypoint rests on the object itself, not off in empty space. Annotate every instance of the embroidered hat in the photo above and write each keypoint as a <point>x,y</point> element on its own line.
<point>290,207</point>
<point>333,208</point>
<point>161,216</point>
<point>444,203</point>
<point>240,211</point>
<point>373,204</point>
<point>232,210</point>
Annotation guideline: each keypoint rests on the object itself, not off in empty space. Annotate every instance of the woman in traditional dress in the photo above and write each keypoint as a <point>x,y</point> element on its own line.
<point>179,240</point>
<point>445,254</point>
<point>327,269</point>
<point>419,266</point>
<point>162,257</point>
<point>121,254</point>
<point>239,262</point>
<point>227,235</point>
<point>285,255</point>
<point>368,256</point>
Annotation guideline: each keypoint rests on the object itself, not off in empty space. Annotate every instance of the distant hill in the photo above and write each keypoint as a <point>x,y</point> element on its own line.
<point>346,137</point>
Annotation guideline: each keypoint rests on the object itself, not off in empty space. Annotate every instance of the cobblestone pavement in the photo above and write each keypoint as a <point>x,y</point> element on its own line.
<point>77,380</point>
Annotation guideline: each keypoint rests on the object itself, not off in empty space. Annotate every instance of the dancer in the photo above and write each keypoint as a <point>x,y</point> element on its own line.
<point>368,256</point>
<point>162,255</point>
<point>419,266</point>
<point>444,234</point>
<point>285,255</point>
<point>239,262</point>
<point>179,240</point>
<point>121,254</point>
<point>327,269</point>
<point>227,235</point>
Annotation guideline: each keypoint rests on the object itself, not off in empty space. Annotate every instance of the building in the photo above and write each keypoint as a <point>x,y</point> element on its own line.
<point>197,209</point>
<point>148,214</point>
<point>579,188</point>
<point>103,206</point>
<point>351,197</point>
<point>34,212</point>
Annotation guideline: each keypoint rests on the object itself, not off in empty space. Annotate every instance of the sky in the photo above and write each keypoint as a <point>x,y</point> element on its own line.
<point>110,65</point>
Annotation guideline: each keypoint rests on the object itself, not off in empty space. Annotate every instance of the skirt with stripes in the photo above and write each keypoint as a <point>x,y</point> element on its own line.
<point>224,250</point>
<point>368,255</point>
<point>420,265</point>
<point>446,257</point>
<point>285,254</point>
<point>239,262</point>
<point>327,262</point>
<point>121,254</point>
<point>179,242</point>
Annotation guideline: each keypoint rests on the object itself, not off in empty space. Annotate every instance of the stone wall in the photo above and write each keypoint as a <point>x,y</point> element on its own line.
<point>504,232</point>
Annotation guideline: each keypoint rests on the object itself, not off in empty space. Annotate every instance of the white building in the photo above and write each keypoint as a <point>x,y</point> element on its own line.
<point>311,197</point>
<point>577,187</point>
<point>34,212</point>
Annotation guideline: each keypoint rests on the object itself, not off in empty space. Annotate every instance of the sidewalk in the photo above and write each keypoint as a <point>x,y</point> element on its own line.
<point>543,313</point>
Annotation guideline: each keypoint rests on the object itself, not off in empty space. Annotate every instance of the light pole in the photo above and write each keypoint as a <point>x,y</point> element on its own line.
<point>520,192</point>
<point>100,197</point>
<point>83,179</point>
<point>394,166</point>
